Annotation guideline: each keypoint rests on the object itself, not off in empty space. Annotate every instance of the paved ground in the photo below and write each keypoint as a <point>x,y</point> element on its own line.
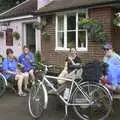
<point>13,107</point>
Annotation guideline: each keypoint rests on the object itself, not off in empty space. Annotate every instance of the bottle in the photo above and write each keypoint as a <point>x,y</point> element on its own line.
<point>66,94</point>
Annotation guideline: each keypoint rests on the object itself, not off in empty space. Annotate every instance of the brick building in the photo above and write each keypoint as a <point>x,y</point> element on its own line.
<point>62,18</point>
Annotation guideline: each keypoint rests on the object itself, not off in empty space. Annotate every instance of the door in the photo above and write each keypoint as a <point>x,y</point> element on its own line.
<point>30,37</point>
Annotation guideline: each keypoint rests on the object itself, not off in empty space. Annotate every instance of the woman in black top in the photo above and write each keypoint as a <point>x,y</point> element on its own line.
<point>72,62</point>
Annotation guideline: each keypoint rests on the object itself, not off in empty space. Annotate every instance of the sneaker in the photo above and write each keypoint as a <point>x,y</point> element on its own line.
<point>22,94</point>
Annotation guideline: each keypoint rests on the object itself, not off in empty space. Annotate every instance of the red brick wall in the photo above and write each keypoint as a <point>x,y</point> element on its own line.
<point>94,48</point>
<point>104,15</point>
<point>116,38</point>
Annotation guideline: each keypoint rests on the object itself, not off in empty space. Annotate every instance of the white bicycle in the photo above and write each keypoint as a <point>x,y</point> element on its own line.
<point>90,101</point>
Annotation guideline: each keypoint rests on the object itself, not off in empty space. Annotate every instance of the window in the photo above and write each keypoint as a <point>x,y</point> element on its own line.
<point>68,33</point>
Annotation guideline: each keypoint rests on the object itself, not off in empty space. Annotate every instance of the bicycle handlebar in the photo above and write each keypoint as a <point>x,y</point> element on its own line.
<point>46,66</point>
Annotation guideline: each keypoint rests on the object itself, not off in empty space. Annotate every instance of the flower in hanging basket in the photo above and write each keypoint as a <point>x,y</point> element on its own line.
<point>1,34</point>
<point>16,35</point>
<point>94,28</point>
<point>46,36</point>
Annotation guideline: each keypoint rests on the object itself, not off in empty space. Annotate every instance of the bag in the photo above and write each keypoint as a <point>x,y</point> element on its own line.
<point>92,71</point>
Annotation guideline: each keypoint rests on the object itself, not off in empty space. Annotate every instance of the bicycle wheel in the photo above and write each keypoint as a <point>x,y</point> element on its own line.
<point>37,101</point>
<point>100,104</point>
<point>2,84</point>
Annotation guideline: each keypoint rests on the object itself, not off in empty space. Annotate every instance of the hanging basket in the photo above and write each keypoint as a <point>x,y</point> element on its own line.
<point>95,30</point>
<point>16,35</point>
<point>46,36</point>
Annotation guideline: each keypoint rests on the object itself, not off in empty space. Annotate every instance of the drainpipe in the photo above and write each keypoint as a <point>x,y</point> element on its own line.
<point>40,3</point>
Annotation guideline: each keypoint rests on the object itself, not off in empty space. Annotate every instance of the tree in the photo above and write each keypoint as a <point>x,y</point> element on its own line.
<point>7,4</point>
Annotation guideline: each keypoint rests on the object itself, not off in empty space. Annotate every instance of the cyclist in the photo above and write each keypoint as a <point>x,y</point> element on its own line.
<point>10,70</point>
<point>27,59</point>
<point>72,62</point>
<point>112,76</point>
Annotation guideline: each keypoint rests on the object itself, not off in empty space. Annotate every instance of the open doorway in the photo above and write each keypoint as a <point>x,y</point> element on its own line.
<point>30,37</point>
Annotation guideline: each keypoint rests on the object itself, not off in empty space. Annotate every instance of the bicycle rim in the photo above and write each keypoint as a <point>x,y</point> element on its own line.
<point>37,100</point>
<point>100,105</point>
<point>2,85</point>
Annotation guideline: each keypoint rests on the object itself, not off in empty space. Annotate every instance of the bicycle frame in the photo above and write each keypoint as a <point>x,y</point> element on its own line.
<point>73,82</point>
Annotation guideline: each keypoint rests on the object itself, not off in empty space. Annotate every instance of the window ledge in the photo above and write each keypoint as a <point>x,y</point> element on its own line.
<point>66,50</point>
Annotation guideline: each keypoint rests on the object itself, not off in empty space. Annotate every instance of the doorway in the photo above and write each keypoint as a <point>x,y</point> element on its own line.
<point>30,37</point>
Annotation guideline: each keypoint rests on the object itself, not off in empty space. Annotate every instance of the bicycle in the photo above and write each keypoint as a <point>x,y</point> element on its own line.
<point>90,101</point>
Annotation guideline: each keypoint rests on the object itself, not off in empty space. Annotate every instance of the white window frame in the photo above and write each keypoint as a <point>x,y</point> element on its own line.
<point>65,32</point>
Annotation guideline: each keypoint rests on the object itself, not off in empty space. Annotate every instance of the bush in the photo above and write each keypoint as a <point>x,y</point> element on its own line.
<point>95,29</point>
<point>16,35</point>
<point>38,60</point>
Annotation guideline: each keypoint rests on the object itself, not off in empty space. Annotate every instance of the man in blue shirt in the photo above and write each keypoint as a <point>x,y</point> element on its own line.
<point>113,71</point>
<point>10,70</point>
<point>27,59</point>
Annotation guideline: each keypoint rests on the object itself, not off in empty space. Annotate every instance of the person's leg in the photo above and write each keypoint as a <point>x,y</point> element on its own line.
<point>26,78</point>
<point>62,75</point>
<point>19,79</point>
<point>31,72</point>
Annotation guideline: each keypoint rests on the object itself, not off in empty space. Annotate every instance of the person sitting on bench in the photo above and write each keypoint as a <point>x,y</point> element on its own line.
<point>27,59</point>
<point>11,72</point>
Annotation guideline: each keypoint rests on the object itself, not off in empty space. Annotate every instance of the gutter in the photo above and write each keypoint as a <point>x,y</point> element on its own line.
<point>77,7</point>
<point>16,18</point>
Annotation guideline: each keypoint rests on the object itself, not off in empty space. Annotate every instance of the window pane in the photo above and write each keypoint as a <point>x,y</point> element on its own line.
<point>81,38</point>
<point>60,39</point>
<point>71,21</point>
<point>71,39</point>
<point>60,23</point>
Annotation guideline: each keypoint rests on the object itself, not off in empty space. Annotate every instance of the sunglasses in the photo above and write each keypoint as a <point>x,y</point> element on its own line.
<point>106,49</point>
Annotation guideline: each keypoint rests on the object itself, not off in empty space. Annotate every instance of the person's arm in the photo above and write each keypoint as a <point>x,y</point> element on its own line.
<point>73,66</point>
<point>5,67</point>
<point>32,58</point>
<point>20,59</point>
<point>78,60</point>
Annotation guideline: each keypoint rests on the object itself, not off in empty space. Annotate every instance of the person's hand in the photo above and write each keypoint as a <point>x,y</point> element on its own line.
<point>103,80</point>
<point>70,58</point>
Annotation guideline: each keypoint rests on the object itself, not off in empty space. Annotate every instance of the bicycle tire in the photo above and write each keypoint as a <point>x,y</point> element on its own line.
<point>37,100</point>
<point>100,97</point>
<point>2,85</point>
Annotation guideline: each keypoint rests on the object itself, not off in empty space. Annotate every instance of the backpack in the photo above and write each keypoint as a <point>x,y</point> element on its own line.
<point>92,71</point>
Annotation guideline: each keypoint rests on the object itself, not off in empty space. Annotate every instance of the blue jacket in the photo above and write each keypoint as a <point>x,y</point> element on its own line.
<point>113,69</point>
<point>10,65</point>
<point>27,61</point>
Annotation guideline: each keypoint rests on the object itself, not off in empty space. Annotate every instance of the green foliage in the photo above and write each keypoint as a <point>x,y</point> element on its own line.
<point>38,60</point>
<point>46,36</point>
<point>116,20</point>
<point>16,35</point>
<point>95,29</point>
<point>7,4</point>
<point>38,56</point>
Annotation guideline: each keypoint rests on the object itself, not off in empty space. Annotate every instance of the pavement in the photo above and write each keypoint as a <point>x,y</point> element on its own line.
<point>13,107</point>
